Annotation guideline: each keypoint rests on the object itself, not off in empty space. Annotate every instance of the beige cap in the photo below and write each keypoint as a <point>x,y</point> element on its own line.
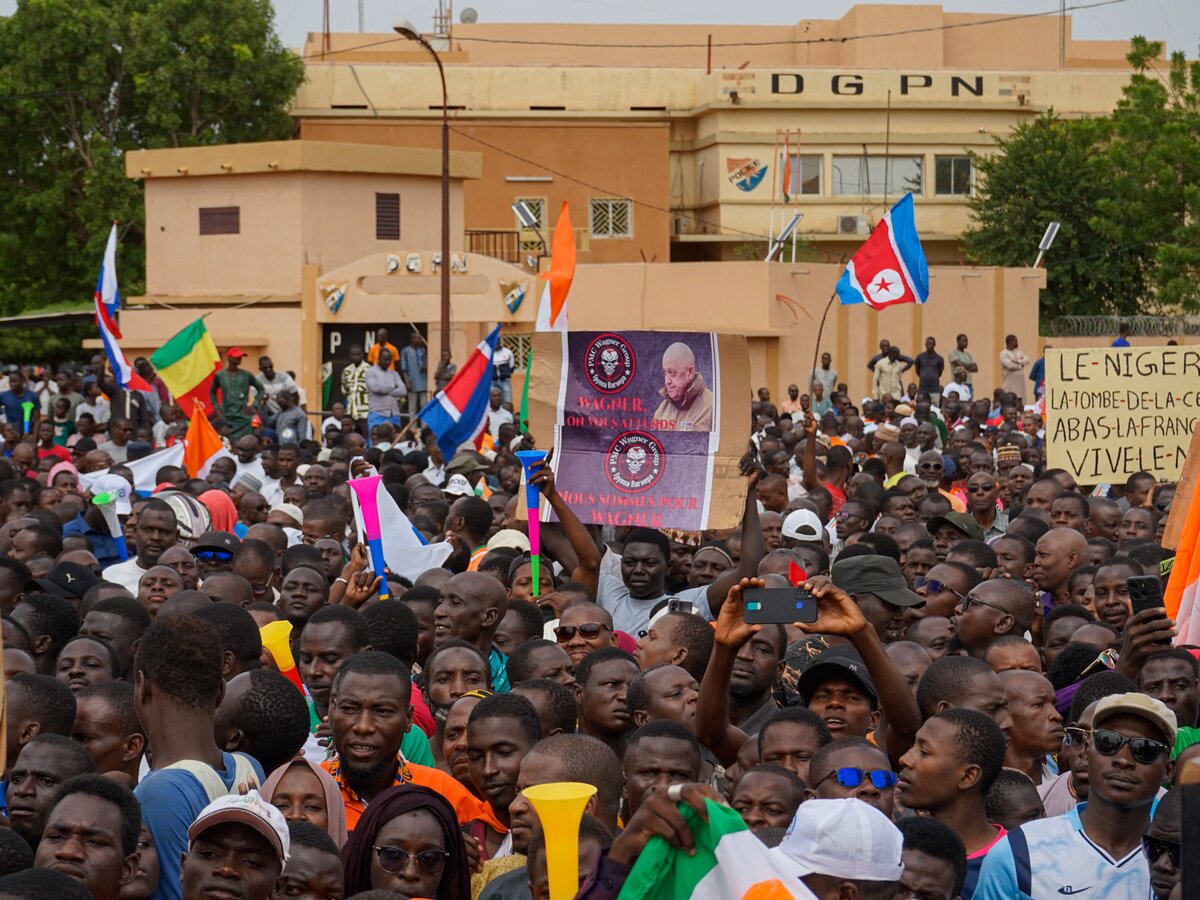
<point>1141,705</point>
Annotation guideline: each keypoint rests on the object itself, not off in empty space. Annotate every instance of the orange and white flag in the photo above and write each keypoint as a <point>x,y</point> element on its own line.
<point>552,310</point>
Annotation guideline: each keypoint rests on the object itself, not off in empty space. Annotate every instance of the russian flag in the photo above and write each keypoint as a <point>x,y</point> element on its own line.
<point>107,291</point>
<point>458,413</point>
<point>108,299</point>
<point>890,267</point>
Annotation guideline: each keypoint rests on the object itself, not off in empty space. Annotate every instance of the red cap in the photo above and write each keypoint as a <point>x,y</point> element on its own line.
<point>236,352</point>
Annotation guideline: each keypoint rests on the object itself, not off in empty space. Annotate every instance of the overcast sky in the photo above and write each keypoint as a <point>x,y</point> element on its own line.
<point>1176,21</point>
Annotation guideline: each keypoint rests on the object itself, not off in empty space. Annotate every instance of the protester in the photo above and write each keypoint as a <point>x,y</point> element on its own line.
<point>974,669</point>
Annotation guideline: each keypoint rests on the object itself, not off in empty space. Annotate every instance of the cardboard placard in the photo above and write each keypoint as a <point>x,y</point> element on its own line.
<point>1114,411</point>
<point>647,426</point>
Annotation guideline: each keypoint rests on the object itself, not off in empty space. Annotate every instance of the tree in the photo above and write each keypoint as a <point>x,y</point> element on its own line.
<point>1053,169</point>
<point>1153,162</point>
<point>1126,188</point>
<point>81,83</point>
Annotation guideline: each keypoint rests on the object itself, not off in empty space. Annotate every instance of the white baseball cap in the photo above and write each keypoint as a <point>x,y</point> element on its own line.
<point>803,525</point>
<point>116,485</point>
<point>458,486</point>
<point>844,838</point>
<point>246,809</point>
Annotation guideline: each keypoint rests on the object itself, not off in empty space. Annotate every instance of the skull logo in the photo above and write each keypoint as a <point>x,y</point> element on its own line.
<point>609,361</point>
<point>635,459</point>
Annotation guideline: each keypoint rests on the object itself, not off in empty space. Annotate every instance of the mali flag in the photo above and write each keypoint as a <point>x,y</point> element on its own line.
<point>187,362</point>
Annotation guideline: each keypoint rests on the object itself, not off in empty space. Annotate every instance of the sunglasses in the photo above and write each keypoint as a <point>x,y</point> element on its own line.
<point>1154,848</point>
<point>968,601</point>
<point>394,860</point>
<point>936,587</point>
<point>1076,736</point>
<point>929,467</point>
<point>850,777</point>
<point>213,555</point>
<point>1143,750</point>
<point>587,631</point>
<point>981,488</point>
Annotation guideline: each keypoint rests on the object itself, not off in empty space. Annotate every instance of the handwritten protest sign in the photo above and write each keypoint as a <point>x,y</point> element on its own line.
<point>647,426</point>
<point>1115,411</point>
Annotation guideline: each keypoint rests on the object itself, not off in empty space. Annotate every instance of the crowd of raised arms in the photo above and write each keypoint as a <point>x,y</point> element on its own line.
<point>977,710</point>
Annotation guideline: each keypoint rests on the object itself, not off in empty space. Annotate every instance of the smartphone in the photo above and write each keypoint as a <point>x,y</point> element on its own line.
<point>778,606</point>
<point>1145,592</point>
<point>675,605</point>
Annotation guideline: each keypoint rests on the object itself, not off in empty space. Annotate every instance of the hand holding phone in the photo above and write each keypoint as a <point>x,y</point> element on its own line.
<point>1145,592</point>
<point>778,606</point>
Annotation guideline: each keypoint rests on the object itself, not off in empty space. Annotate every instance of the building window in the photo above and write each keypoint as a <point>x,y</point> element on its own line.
<point>805,175</point>
<point>387,217</point>
<point>863,176</point>
<point>220,220</point>
<point>536,206</point>
<point>531,238</point>
<point>953,176</point>
<point>611,218</point>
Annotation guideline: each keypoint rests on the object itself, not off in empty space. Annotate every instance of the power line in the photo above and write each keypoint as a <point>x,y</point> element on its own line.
<point>607,192</point>
<point>793,42</point>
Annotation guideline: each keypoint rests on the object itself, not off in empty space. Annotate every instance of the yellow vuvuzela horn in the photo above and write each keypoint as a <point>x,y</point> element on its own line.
<point>275,638</point>
<point>560,807</point>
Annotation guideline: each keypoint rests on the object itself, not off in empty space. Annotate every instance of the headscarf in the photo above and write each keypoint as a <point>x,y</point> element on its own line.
<point>59,467</point>
<point>220,509</point>
<point>396,801</point>
<point>335,806</point>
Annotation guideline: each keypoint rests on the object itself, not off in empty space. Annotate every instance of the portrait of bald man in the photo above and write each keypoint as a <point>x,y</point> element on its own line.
<point>687,404</point>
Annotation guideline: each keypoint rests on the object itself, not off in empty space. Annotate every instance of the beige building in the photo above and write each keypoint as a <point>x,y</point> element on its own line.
<point>300,249</point>
<point>672,151</point>
<point>675,141</point>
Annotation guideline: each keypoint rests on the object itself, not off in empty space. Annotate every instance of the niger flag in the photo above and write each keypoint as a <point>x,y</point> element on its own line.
<point>1182,587</point>
<point>552,311</point>
<point>202,442</point>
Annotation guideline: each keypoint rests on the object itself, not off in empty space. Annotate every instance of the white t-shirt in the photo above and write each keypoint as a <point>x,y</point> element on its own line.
<point>629,615</point>
<point>127,574</point>
<point>1060,861</point>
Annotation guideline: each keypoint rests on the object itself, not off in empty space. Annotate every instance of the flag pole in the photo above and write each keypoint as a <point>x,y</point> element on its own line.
<point>820,331</point>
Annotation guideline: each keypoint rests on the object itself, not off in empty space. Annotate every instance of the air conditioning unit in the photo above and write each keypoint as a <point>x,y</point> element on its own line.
<point>852,225</point>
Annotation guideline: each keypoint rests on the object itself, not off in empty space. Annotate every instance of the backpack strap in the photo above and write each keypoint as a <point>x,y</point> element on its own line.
<point>1020,852</point>
<point>209,780</point>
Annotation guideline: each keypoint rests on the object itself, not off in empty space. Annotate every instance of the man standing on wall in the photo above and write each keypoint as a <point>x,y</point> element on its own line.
<point>414,369</point>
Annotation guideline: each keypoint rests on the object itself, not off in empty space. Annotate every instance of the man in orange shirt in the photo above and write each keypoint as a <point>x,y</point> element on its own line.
<point>368,714</point>
<point>381,343</point>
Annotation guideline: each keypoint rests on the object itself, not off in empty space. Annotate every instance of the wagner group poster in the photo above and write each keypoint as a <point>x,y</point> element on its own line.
<point>647,426</point>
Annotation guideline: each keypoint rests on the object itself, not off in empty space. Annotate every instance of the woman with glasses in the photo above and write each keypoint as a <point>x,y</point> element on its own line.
<point>408,841</point>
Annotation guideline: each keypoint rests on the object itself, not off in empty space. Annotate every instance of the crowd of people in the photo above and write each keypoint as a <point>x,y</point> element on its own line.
<point>977,710</point>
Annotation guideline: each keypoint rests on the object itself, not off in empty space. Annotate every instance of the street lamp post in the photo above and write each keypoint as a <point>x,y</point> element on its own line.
<point>406,30</point>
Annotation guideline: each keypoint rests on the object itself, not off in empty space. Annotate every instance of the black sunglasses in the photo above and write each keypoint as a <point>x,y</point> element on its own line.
<point>1143,750</point>
<point>394,860</point>
<point>587,631</point>
<point>980,488</point>
<point>1154,847</point>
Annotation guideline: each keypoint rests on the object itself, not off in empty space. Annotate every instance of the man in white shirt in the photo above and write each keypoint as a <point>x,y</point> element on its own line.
<point>958,386</point>
<point>503,363</point>
<point>497,415</point>
<point>155,532</point>
<point>95,404</point>
<point>273,384</point>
